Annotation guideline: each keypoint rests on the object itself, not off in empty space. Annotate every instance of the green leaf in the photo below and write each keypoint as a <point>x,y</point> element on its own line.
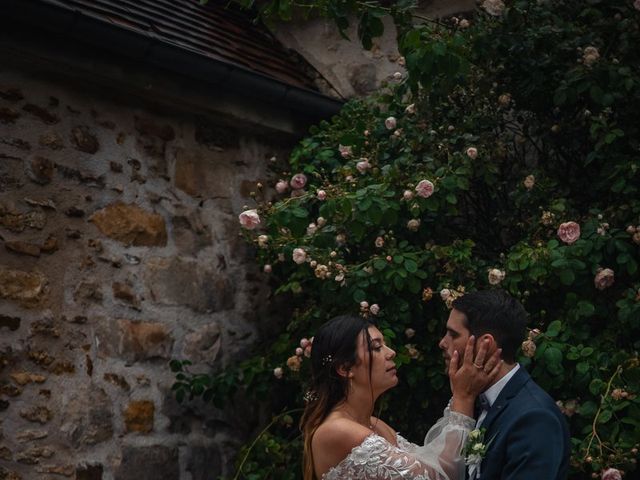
<point>410,265</point>
<point>553,330</point>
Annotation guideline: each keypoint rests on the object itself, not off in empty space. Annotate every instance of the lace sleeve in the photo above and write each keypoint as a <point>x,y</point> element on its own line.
<point>443,444</point>
<point>377,459</point>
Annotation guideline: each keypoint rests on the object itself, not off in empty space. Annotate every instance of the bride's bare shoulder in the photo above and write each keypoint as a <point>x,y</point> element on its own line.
<point>339,435</point>
<point>333,441</point>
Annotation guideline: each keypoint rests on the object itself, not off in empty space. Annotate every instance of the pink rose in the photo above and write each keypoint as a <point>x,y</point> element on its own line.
<point>424,189</point>
<point>407,195</point>
<point>413,224</point>
<point>374,309</point>
<point>472,153</point>
<point>612,473</point>
<point>304,342</point>
<point>278,373</point>
<point>299,351</point>
<point>528,348</point>
<point>345,151</point>
<point>390,123</point>
<point>379,242</point>
<point>529,182</point>
<point>504,100</point>
<point>496,276</point>
<point>298,181</point>
<point>410,333</point>
<point>282,186</point>
<point>249,219</point>
<point>569,232</point>
<point>299,256</point>
<point>604,278</point>
<point>321,195</point>
<point>362,166</point>
<point>267,268</point>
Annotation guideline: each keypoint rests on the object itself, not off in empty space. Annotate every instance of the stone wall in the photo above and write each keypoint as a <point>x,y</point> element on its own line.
<point>119,250</point>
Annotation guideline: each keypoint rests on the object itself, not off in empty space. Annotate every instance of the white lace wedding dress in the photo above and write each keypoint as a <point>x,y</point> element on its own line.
<point>438,459</point>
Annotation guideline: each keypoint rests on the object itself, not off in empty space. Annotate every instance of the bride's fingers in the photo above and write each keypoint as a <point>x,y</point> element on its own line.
<point>483,347</point>
<point>493,361</point>
<point>496,368</point>
<point>453,364</point>
<point>468,351</point>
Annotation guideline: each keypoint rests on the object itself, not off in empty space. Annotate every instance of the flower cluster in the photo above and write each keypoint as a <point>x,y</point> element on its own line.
<point>294,362</point>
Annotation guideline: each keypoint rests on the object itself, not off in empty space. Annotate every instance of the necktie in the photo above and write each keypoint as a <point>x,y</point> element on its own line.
<point>481,405</point>
<point>484,407</point>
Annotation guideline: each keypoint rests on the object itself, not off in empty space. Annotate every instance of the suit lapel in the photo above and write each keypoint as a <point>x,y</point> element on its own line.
<point>510,390</point>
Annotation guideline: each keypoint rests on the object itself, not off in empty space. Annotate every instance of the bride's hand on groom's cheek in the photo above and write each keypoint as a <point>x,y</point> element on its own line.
<point>474,373</point>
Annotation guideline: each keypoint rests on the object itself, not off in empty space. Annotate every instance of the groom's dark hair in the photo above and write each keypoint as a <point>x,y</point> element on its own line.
<point>498,313</point>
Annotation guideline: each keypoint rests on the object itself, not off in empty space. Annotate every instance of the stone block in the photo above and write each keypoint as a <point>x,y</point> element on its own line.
<point>33,455</point>
<point>41,113</point>
<point>138,416</point>
<point>24,378</point>
<point>88,291</point>
<point>131,224</point>
<point>26,288</point>
<point>180,281</point>
<point>158,462</point>
<point>189,233</point>
<point>147,126</point>
<point>88,417</point>
<point>203,345</point>
<point>51,140</point>
<point>8,115</point>
<point>144,340</point>
<point>37,414</point>
<point>23,248</point>
<point>63,470</point>
<point>31,435</point>
<point>84,140</point>
<point>5,453</point>
<point>40,170</point>
<point>19,221</point>
<point>124,292</point>
<point>9,475</point>
<point>210,176</point>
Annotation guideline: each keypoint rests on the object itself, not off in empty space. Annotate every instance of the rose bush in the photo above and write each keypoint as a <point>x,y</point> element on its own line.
<point>509,157</point>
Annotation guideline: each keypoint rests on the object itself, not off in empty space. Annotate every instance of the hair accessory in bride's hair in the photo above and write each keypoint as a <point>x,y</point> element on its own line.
<point>327,360</point>
<point>310,396</point>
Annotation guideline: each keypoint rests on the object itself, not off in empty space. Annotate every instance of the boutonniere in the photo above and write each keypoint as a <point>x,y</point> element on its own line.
<point>474,450</point>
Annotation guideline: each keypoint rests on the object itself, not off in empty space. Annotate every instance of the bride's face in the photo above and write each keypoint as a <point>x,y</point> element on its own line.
<point>456,336</point>
<point>383,368</point>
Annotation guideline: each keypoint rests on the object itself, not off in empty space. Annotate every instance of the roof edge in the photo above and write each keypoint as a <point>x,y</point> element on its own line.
<point>59,19</point>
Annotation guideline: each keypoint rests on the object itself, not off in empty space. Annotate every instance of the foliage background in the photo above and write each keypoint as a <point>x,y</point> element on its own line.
<point>545,91</point>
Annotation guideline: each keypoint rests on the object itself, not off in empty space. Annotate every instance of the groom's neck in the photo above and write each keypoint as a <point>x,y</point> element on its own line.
<point>504,369</point>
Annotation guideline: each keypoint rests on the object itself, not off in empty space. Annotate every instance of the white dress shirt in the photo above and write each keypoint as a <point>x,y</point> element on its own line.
<point>491,394</point>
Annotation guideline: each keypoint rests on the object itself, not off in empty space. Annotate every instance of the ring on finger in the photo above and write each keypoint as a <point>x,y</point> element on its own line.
<point>481,367</point>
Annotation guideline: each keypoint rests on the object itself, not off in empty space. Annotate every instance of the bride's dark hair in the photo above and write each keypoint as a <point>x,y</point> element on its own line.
<point>334,345</point>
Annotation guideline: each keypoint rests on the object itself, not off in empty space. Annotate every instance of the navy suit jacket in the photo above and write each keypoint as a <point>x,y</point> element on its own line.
<point>528,433</point>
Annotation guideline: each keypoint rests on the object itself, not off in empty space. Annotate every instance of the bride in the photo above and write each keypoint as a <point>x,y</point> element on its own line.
<point>351,366</point>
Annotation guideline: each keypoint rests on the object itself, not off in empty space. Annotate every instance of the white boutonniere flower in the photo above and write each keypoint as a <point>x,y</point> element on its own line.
<point>474,450</point>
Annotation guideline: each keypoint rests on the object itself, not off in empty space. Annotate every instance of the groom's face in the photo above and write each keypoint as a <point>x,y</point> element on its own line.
<point>456,336</point>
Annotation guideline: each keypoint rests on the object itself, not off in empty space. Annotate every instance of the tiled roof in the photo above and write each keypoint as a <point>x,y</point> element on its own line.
<point>214,31</point>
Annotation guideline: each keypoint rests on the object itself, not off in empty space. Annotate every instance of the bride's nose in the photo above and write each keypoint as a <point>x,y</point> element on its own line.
<point>391,353</point>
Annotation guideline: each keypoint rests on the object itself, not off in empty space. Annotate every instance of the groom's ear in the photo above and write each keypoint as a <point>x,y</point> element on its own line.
<point>493,345</point>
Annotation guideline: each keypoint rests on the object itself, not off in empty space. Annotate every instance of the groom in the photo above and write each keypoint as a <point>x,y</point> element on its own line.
<point>527,436</point>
